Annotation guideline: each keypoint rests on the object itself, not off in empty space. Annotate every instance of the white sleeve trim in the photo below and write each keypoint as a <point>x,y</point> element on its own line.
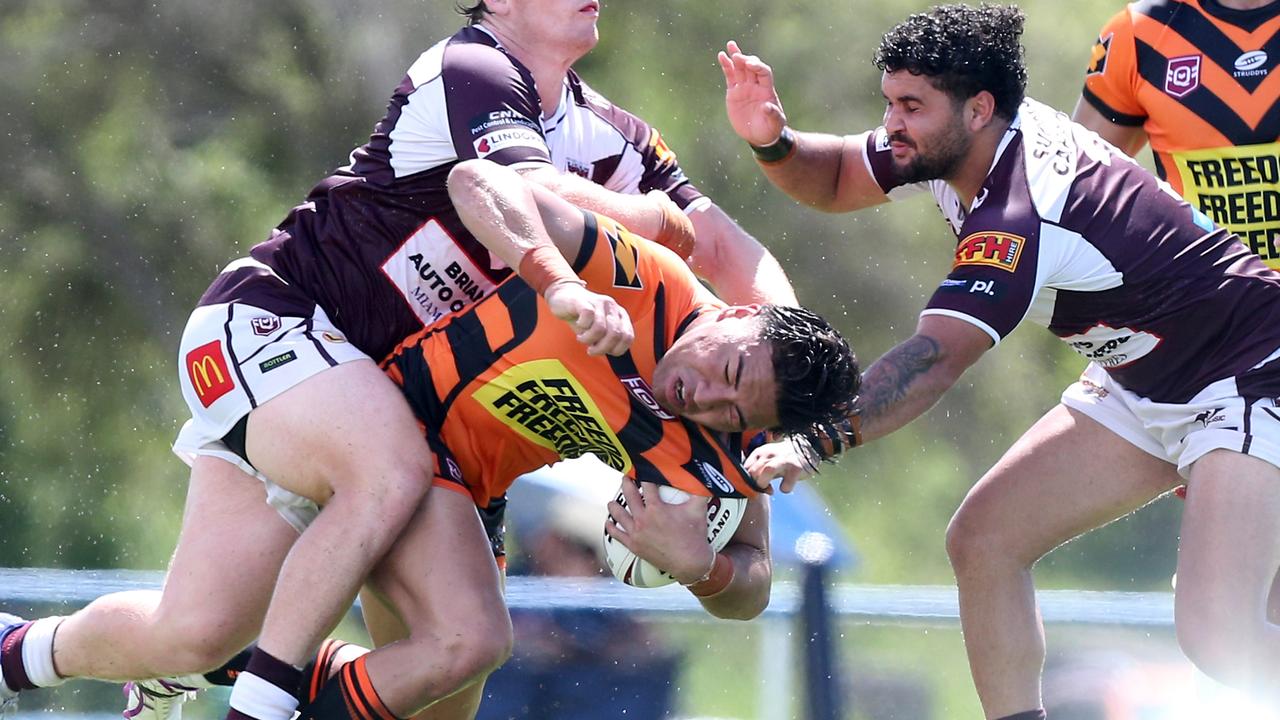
<point>995,336</point>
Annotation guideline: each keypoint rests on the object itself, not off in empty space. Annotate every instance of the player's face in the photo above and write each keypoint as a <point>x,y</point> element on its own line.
<point>927,136</point>
<point>719,373</point>
<point>566,26</point>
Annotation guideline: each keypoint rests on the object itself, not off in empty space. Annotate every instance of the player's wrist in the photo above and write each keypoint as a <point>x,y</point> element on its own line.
<point>716,580</point>
<point>544,268</point>
<point>778,151</point>
<point>675,229</point>
<point>710,566</point>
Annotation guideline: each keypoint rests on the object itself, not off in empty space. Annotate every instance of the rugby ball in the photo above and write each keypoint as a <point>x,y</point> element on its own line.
<point>723,516</point>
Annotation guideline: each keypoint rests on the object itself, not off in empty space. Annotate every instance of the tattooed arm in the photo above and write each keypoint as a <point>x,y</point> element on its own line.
<point>896,389</point>
<point>910,378</point>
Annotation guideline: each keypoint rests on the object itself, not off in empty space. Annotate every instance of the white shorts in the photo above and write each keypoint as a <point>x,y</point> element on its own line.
<point>1216,418</point>
<point>234,357</point>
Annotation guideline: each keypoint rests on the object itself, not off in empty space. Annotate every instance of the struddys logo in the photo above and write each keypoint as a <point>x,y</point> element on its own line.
<point>1182,75</point>
<point>208,373</point>
<point>643,394</point>
<point>993,249</point>
<point>1113,347</point>
<point>714,479</point>
<point>543,402</point>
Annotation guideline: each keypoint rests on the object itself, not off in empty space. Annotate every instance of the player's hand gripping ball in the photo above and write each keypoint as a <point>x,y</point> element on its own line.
<point>723,516</point>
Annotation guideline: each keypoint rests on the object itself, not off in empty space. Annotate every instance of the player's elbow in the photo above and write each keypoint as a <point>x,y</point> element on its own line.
<point>467,180</point>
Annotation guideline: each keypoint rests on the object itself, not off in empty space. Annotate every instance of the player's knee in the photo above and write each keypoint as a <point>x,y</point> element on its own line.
<point>1214,633</point>
<point>199,644</point>
<point>482,654</point>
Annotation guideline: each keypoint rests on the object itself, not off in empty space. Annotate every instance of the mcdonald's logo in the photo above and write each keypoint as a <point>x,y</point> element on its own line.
<point>207,370</point>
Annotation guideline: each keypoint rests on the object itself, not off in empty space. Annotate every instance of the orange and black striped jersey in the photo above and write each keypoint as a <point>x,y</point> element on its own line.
<point>1202,81</point>
<point>505,387</point>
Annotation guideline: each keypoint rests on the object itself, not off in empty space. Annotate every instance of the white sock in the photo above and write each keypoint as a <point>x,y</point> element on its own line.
<point>261,699</point>
<point>37,652</point>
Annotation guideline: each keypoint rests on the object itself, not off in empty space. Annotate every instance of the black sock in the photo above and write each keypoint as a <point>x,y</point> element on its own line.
<point>226,675</point>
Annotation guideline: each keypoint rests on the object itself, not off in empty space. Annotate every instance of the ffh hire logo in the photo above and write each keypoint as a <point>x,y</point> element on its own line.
<point>207,370</point>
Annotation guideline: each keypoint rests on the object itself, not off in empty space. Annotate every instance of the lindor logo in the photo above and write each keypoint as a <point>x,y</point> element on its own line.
<point>208,373</point>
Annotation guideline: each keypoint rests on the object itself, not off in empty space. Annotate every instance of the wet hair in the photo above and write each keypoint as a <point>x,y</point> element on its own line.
<point>474,13</point>
<point>816,371</point>
<point>963,50</point>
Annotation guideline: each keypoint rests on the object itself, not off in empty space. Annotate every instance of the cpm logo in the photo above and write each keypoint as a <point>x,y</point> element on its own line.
<point>207,370</point>
<point>996,249</point>
<point>1182,75</point>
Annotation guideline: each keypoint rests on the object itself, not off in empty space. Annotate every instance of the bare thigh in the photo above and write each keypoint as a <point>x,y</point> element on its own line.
<point>1065,476</point>
<point>215,595</point>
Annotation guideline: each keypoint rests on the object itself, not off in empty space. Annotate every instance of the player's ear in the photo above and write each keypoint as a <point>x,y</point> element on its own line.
<point>979,110</point>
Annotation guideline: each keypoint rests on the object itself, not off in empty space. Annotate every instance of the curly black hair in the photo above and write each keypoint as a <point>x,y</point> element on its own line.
<point>816,371</point>
<point>474,12</point>
<point>963,50</point>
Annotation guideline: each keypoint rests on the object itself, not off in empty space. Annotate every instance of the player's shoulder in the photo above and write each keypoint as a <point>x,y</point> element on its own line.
<point>473,52</point>
<point>604,110</point>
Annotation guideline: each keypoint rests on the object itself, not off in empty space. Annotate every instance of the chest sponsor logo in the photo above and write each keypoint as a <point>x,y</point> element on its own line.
<point>994,249</point>
<point>1251,64</point>
<point>643,394</point>
<point>1113,347</point>
<point>265,325</point>
<point>267,366</point>
<point>579,168</point>
<point>491,143</point>
<point>1182,76</point>
<point>543,402</point>
<point>1237,188</point>
<point>713,478</point>
<point>434,275</point>
<point>1098,57</point>
<point>208,373</point>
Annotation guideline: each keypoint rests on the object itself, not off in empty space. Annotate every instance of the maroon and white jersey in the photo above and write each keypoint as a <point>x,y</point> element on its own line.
<point>378,244</point>
<point>1071,234</point>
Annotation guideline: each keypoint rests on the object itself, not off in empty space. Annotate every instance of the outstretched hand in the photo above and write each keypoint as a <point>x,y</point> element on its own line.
<point>755,112</point>
<point>788,459</point>
<point>599,321</point>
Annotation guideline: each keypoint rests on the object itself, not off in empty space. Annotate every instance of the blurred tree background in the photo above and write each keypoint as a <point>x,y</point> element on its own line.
<point>143,145</point>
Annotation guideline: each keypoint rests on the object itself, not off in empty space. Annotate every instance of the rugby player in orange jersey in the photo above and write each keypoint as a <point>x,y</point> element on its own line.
<point>1195,79</point>
<point>505,387</point>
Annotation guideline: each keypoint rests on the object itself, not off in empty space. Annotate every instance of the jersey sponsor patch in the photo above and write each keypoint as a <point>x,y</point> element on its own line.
<point>1098,56</point>
<point>548,406</point>
<point>713,478</point>
<point>1237,188</point>
<point>994,249</point>
<point>1113,347</point>
<point>500,119</point>
<point>641,391</point>
<point>433,274</point>
<point>660,149</point>
<point>265,325</point>
<point>985,289</point>
<point>267,366</point>
<point>1182,76</point>
<point>1250,64</point>
<point>626,260</point>
<point>208,373</point>
<point>491,143</point>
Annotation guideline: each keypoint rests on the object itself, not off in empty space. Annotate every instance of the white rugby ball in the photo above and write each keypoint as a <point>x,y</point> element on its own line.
<point>723,516</point>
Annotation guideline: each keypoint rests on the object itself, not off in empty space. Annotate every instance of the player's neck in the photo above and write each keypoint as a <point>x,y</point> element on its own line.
<point>548,66</point>
<point>968,178</point>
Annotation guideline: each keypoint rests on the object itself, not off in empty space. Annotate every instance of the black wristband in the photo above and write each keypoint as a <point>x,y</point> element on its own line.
<point>778,150</point>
